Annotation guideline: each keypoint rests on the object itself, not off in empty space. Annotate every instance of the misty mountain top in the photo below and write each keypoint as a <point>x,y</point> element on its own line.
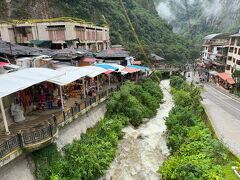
<point>204,16</point>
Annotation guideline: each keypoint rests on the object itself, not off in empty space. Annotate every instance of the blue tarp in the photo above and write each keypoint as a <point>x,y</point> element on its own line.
<point>107,66</point>
<point>142,68</point>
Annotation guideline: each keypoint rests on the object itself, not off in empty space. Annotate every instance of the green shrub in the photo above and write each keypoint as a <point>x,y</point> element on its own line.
<point>156,76</point>
<point>48,161</point>
<point>136,101</point>
<point>191,167</point>
<point>195,153</point>
<point>91,156</point>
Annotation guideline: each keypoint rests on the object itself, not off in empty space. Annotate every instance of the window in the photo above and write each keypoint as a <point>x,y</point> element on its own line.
<point>238,42</point>
<point>232,41</point>
<point>238,51</point>
<point>231,49</point>
<point>238,62</point>
<point>23,34</point>
<point>56,33</point>
<point>229,58</point>
<point>80,32</point>
<point>235,51</point>
<point>228,67</point>
<point>234,60</point>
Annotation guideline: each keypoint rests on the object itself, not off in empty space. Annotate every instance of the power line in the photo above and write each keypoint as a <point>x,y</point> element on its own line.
<point>147,61</point>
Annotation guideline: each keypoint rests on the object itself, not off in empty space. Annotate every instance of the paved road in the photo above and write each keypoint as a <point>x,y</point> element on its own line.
<point>224,113</point>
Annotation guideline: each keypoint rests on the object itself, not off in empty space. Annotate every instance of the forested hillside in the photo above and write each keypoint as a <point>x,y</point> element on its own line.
<point>197,18</point>
<point>154,34</point>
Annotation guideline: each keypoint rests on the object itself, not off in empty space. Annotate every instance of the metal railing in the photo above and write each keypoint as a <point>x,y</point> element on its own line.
<point>48,128</point>
<point>87,102</point>
<point>28,137</point>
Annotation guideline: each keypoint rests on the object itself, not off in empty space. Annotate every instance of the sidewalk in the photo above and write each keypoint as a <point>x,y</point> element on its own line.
<point>223,112</point>
<point>224,91</point>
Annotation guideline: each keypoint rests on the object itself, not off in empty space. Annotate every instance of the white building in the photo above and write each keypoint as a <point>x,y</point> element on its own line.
<point>215,47</point>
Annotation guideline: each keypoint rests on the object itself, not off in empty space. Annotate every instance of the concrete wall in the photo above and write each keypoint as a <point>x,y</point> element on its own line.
<point>76,128</point>
<point>4,32</point>
<point>21,168</point>
<point>40,32</point>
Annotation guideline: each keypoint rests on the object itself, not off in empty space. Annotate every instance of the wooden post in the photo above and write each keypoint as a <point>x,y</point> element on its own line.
<point>97,84</point>
<point>84,88</point>
<point>137,77</point>
<point>4,117</point>
<point>61,95</point>
<point>109,80</point>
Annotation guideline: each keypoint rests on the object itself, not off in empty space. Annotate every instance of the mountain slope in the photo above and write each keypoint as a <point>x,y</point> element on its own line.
<point>154,34</point>
<point>196,18</point>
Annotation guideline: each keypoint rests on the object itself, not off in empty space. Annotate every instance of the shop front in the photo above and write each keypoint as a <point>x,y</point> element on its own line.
<point>226,81</point>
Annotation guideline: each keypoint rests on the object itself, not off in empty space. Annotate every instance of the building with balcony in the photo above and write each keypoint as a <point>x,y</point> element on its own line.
<point>233,59</point>
<point>56,33</point>
<point>215,47</point>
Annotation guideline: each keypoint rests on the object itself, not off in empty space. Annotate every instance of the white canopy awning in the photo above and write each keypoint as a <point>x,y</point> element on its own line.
<point>96,71</point>
<point>71,74</point>
<point>25,78</point>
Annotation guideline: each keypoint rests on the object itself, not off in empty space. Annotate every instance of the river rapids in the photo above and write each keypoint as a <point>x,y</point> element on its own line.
<point>143,150</point>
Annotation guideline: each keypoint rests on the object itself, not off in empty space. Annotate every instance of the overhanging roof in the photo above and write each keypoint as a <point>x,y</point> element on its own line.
<point>217,36</point>
<point>96,71</point>
<point>142,68</point>
<point>130,70</point>
<point>25,78</point>
<point>71,74</point>
<point>107,66</point>
<point>119,67</point>
<point>235,35</point>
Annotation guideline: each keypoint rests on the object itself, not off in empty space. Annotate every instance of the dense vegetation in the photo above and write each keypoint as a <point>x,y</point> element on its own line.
<point>154,34</point>
<point>136,101</point>
<point>196,154</point>
<point>91,156</point>
<point>198,18</point>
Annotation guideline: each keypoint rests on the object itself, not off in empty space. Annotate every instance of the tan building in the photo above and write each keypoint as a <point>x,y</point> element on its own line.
<point>233,59</point>
<point>58,33</point>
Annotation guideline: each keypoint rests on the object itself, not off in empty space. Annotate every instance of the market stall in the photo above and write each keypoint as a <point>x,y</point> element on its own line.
<point>226,81</point>
<point>68,82</point>
<point>20,80</point>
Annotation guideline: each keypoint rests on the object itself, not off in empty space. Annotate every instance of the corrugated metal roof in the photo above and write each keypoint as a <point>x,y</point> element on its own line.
<point>113,53</point>
<point>235,35</point>
<point>216,36</point>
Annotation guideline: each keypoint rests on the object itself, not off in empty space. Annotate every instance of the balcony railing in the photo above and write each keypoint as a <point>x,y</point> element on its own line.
<point>32,137</point>
<point>28,136</point>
